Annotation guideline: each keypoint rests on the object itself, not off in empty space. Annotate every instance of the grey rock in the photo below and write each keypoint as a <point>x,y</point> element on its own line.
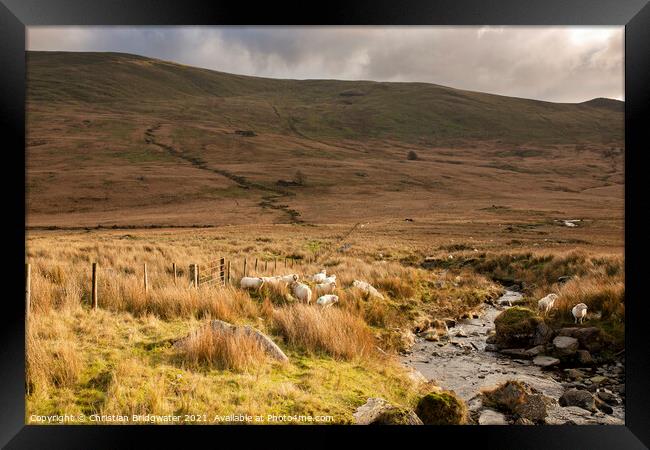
<point>491,348</point>
<point>377,411</point>
<point>537,350</point>
<point>565,345</point>
<point>542,335</point>
<point>545,361</point>
<point>578,416</point>
<point>590,338</point>
<point>578,397</point>
<point>584,357</point>
<point>492,417</point>
<point>515,352</point>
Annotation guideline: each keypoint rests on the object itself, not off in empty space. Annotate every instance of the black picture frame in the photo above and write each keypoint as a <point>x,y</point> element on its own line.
<point>15,15</point>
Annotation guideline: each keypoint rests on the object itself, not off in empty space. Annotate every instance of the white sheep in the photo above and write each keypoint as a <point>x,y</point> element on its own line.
<point>288,278</point>
<point>579,312</point>
<point>546,304</point>
<point>367,288</point>
<point>301,292</point>
<point>329,279</point>
<point>325,288</point>
<point>327,300</point>
<point>251,282</point>
<point>319,277</point>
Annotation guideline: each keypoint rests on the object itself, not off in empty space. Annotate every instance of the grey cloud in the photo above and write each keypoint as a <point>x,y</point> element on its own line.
<point>565,64</point>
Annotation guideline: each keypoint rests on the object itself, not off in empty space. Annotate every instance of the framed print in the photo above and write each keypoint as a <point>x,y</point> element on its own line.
<point>426,216</point>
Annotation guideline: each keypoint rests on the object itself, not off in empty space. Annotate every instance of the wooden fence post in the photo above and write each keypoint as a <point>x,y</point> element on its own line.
<point>146,281</point>
<point>193,275</point>
<point>255,266</point>
<point>285,262</point>
<point>28,289</point>
<point>174,270</point>
<point>244,266</point>
<point>275,265</point>
<point>266,266</point>
<point>222,270</point>
<point>94,299</point>
<point>228,276</point>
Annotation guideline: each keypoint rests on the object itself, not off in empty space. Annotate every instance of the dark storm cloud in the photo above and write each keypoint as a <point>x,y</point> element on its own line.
<point>565,64</point>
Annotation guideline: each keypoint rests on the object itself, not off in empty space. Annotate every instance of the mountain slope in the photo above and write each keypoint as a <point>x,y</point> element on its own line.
<point>116,139</point>
<point>414,112</point>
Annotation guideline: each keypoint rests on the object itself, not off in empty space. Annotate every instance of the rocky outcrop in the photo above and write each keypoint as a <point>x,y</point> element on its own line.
<point>589,338</point>
<point>580,398</point>
<point>377,411</point>
<point>517,399</point>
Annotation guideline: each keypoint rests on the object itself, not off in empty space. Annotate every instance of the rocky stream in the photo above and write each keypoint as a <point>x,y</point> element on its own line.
<point>463,362</point>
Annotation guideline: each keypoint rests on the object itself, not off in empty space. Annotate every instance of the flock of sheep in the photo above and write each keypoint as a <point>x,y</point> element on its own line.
<point>545,305</point>
<point>324,287</point>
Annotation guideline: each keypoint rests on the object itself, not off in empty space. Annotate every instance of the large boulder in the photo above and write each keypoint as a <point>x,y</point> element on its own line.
<point>565,345</point>
<point>545,361</point>
<point>590,338</point>
<point>518,399</point>
<point>377,411</point>
<point>578,397</point>
<point>441,408</point>
<point>516,327</point>
<point>542,335</point>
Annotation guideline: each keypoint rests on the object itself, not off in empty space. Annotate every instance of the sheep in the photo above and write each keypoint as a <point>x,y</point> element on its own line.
<point>251,282</point>
<point>579,312</point>
<point>367,288</point>
<point>545,304</point>
<point>325,288</point>
<point>327,300</point>
<point>301,292</point>
<point>329,279</point>
<point>319,277</point>
<point>275,280</point>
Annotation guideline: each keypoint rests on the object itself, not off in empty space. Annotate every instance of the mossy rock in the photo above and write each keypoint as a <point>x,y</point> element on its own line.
<point>441,408</point>
<point>516,326</point>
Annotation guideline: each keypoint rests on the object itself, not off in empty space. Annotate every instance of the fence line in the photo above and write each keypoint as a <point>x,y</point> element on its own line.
<point>208,276</point>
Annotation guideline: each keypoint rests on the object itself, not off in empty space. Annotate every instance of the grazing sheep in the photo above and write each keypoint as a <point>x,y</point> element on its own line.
<point>319,277</point>
<point>327,300</point>
<point>301,292</point>
<point>367,288</point>
<point>579,312</point>
<point>545,304</point>
<point>330,279</point>
<point>325,288</point>
<point>288,278</point>
<point>251,282</point>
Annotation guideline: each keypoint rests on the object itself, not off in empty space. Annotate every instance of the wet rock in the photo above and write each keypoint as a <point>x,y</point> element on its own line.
<point>491,339</point>
<point>515,352</point>
<point>537,350</point>
<point>565,345</point>
<point>575,374</point>
<point>590,338</point>
<point>545,361</point>
<point>599,379</point>
<point>492,417</point>
<point>491,348</point>
<point>524,421</point>
<point>584,357</point>
<point>517,398</point>
<point>461,333</point>
<point>451,323</point>
<point>602,406</point>
<point>578,397</point>
<point>608,397</point>
<point>575,415</point>
<point>377,411</point>
<point>542,334</point>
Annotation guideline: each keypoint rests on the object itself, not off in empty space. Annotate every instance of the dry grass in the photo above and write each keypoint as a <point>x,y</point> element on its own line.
<point>225,350</point>
<point>328,330</point>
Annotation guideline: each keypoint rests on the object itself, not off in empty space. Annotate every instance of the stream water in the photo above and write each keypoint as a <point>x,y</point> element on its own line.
<point>463,365</point>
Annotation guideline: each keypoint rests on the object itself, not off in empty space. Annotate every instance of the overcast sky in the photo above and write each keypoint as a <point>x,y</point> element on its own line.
<point>560,64</point>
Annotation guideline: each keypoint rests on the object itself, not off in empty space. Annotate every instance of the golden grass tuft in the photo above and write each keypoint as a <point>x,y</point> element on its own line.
<point>223,349</point>
<point>328,330</point>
